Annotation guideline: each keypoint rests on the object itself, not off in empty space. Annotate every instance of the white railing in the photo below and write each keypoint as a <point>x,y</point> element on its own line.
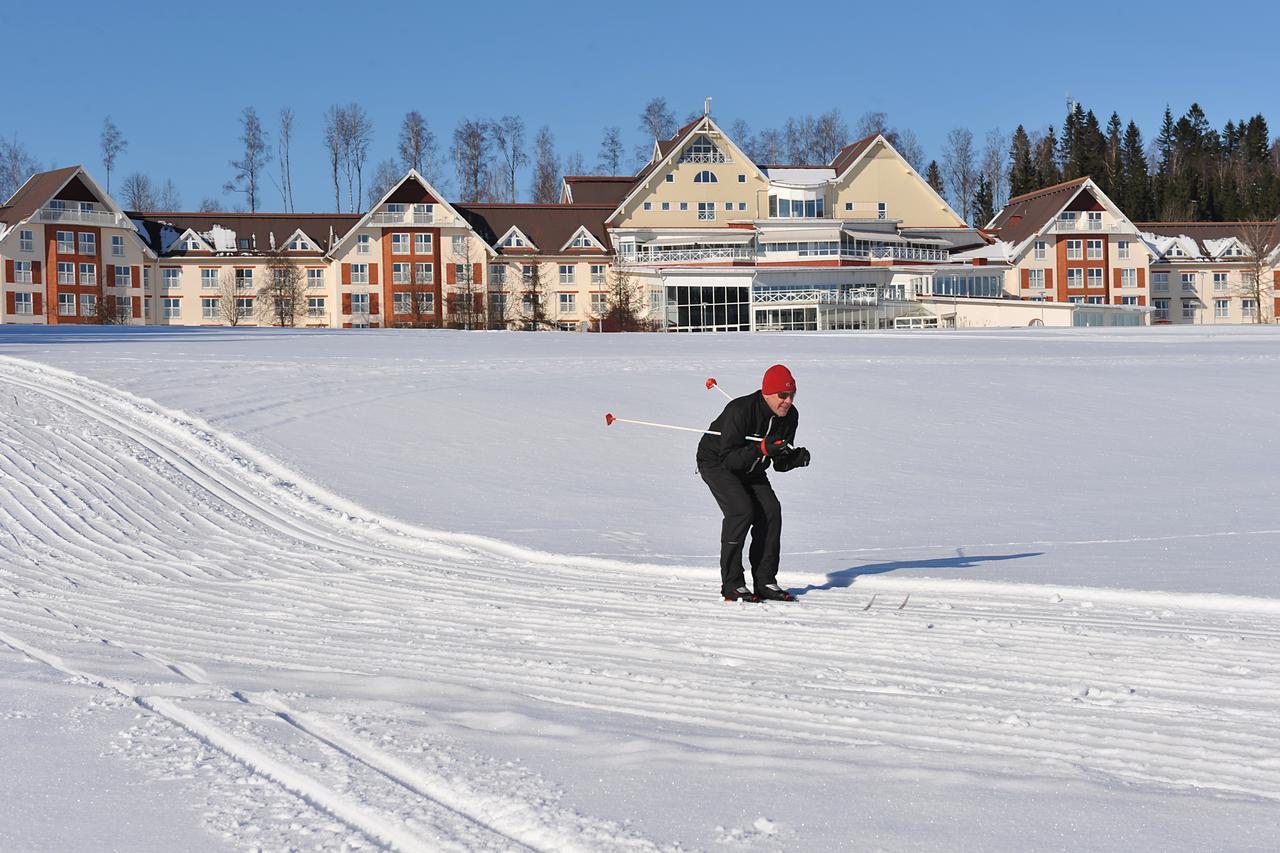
<point>713,157</point>
<point>856,296</point>
<point>911,253</point>
<point>70,214</point>
<point>415,217</point>
<point>687,255</point>
<point>1077,226</point>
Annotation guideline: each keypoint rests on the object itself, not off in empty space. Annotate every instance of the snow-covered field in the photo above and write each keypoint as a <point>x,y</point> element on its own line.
<point>333,589</point>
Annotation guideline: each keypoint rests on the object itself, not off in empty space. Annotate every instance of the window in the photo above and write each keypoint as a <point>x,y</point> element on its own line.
<point>402,303</point>
<point>427,303</point>
<point>424,213</point>
<point>497,274</point>
<point>359,303</point>
<point>1075,278</point>
<point>1162,308</point>
<point>88,305</point>
<point>1128,278</point>
<point>1122,250</point>
<point>1076,300</point>
<point>1248,308</point>
<point>146,277</point>
<point>124,308</point>
<point>655,301</point>
<point>315,278</point>
<point>1220,307</point>
<point>666,205</point>
<point>1219,282</point>
<point>462,274</point>
<point>422,244</point>
<point>706,210</point>
<point>1075,250</point>
<point>66,304</point>
<point>742,179</point>
<point>362,244</point>
<point>170,308</point>
<point>684,205</point>
<point>122,277</point>
<point>1067,216</point>
<point>1095,250</point>
<point>359,273</point>
<point>882,210</point>
<point>459,244</point>
<point>1035,278</point>
<point>527,272</point>
<point>568,303</point>
<point>1160,282</point>
<point>243,243</point>
<point>299,244</point>
<point>1095,277</point>
<point>567,273</point>
<point>117,246</point>
<point>848,205</point>
<point>22,304</point>
<point>66,272</point>
<point>208,279</point>
<point>315,306</point>
<point>399,244</point>
<point>599,303</point>
<point>671,177</point>
<point>26,243</point>
<point>648,205</point>
<point>582,241</point>
<point>209,307</point>
<point>88,243</point>
<point>1094,300</point>
<point>1040,249</point>
<point>1095,220</point>
<point>395,211</point>
<point>705,177</point>
<point>424,273</point>
<point>88,274</point>
<point>86,207</point>
<point>728,205</point>
<point>146,307</point>
<point>742,205</point>
<point>497,306</point>
<point>66,243</point>
<point>567,327</point>
<point>597,273</point>
<point>400,273</point>
<point>244,307</point>
<point>1189,309</point>
<point>1128,300</point>
<point>22,272</point>
<point>244,278</point>
<point>192,244</point>
<point>1189,281</point>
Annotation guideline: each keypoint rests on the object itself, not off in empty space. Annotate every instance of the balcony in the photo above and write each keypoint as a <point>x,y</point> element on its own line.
<point>406,217</point>
<point>1083,226</point>
<point>687,255</point>
<point>87,217</point>
<point>869,295</point>
<point>704,157</point>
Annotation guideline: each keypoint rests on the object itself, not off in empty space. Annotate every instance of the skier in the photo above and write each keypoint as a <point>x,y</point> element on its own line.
<point>735,469</point>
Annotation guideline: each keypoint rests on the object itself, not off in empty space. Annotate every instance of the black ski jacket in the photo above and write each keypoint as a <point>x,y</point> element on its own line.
<point>744,416</point>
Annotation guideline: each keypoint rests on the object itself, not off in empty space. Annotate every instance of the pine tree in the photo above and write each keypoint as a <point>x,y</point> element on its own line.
<point>1021,169</point>
<point>934,176</point>
<point>1135,196</point>
<point>1046,165</point>
<point>1112,177</point>
<point>983,204</point>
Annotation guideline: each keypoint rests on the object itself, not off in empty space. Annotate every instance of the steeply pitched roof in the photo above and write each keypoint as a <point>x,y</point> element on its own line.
<point>1208,236</point>
<point>34,194</point>
<point>598,189</point>
<point>549,226</point>
<point>851,152</point>
<point>1027,214</point>
<point>160,229</point>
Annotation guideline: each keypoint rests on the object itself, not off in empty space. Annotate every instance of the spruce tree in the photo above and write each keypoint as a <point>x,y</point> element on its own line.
<point>983,202</point>
<point>1022,174</point>
<point>934,176</point>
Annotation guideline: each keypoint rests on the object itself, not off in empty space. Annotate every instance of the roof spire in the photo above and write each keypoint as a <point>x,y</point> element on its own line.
<point>706,107</point>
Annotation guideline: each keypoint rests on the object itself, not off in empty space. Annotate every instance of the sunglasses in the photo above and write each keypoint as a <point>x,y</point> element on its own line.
<point>786,395</point>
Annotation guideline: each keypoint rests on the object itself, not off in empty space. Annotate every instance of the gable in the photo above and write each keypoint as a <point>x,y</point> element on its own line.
<point>882,175</point>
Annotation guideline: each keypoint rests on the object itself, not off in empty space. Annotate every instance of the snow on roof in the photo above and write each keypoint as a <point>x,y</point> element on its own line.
<point>1163,245</point>
<point>222,239</point>
<point>808,177</point>
<point>1000,251</point>
<point>168,236</point>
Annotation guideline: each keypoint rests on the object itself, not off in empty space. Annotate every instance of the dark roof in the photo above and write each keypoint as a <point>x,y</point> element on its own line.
<point>549,226</point>
<point>258,228</point>
<point>664,148</point>
<point>599,189</point>
<point>1027,214</point>
<point>33,194</point>
<point>851,152</point>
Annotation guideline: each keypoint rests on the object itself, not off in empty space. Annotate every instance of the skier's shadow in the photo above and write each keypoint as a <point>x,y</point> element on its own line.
<point>846,577</point>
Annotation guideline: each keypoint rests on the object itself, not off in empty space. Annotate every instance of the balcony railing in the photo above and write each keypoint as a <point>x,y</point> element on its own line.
<point>1087,226</point>
<point>687,255</point>
<point>406,217</point>
<point>712,157</point>
<point>856,296</point>
<point>71,214</point>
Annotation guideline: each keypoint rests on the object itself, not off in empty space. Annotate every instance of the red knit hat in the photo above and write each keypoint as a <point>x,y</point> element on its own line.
<point>777,378</point>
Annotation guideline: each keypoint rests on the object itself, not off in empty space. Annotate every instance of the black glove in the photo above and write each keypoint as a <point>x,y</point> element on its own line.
<point>773,447</point>
<point>796,457</point>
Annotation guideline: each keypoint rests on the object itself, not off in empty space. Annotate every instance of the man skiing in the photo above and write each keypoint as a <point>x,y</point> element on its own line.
<point>735,469</point>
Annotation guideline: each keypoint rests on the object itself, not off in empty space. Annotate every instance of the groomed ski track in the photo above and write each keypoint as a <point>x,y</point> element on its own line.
<point>304,640</point>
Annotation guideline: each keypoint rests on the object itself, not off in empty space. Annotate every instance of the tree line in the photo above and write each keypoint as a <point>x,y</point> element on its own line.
<point>1190,171</point>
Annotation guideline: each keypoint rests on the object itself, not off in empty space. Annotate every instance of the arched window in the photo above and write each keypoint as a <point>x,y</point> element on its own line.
<point>704,177</point>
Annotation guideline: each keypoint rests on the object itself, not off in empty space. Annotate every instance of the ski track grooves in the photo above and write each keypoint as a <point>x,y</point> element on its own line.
<point>132,533</point>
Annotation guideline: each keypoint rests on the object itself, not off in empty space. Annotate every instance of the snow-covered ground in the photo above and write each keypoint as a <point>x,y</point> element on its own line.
<point>325,589</point>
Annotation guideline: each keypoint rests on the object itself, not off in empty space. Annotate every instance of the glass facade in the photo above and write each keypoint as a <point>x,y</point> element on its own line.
<point>709,309</point>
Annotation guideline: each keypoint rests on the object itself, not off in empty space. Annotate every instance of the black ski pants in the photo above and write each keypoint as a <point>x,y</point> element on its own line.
<point>747,504</point>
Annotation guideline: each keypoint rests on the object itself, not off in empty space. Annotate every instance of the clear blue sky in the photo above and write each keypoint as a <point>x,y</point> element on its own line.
<point>175,78</point>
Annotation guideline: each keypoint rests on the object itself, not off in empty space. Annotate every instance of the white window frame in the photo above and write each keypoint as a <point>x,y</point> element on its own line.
<point>568,273</point>
<point>1160,282</point>
<point>1040,250</point>
<point>1188,282</point>
<point>427,303</point>
<point>599,303</point>
<point>400,243</point>
<point>598,273</point>
<point>170,308</point>
<point>66,272</point>
<point>1129,278</point>
<point>209,306</point>
<point>66,242</point>
<point>363,244</point>
<point>706,211</point>
<point>209,279</point>
<point>568,302</point>
<point>402,273</point>
<point>1129,300</point>
<point>22,272</point>
<point>429,268</point>
<point>1075,278</point>
<point>1093,250</point>
<point>1221,308</point>
<point>402,303</point>
<point>1095,278</point>
<point>244,307</point>
<point>88,242</point>
<point>315,306</point>
<point>66,305</point>
<point>88,274</point>
<point>359,273</point>
<point>23,304</point>
<point>1122,250</point>
<point>125,280</point>
<point>1094,218</point>
<point>458,243</point>
<point>88,304</point>
<point>26,241</point>
<point>1035,278</point>
<point>423,244</point>
<point>315,278</point>
<point>1075,250</point>
<point>1248,308</point>
<point>497,274</point>
<point>359,304</point>
<point>117,246</point>
<point>1220,283</point>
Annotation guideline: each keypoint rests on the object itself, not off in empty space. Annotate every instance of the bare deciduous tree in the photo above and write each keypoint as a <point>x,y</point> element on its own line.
<point>574,164</point>
<point>210,205</point>
<point>508,137</point>
<point>138,193</point>
<point>16,165</point>
<point>657,121</point>
<point>546,169</point>
<point>286,165</point>
<point>282,299</point>
<point>334,120</point>
<point>356,140</point>
<point>958,170</point>
<point>1261,241</point>
<point>254,159</point>
<point>113,145</point>
<point>168,197</point>
<point>995,167</point>
<point>611,151</point>
<point>384,178</point>
<point>466,301</point>
<point>471,145</point>
<point>232,308</point>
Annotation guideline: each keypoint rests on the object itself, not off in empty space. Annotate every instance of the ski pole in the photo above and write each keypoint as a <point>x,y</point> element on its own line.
<point>609,420</point>
<point>711,383</point>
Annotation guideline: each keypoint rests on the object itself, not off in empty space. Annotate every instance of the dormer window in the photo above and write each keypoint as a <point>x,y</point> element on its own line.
<point>299,244</point>
<point>702,150</point>
<point>242,243</point>
<point>191,244</point>
<point>582,241</point>
<point>705,177</point>
<point>514,240</point>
